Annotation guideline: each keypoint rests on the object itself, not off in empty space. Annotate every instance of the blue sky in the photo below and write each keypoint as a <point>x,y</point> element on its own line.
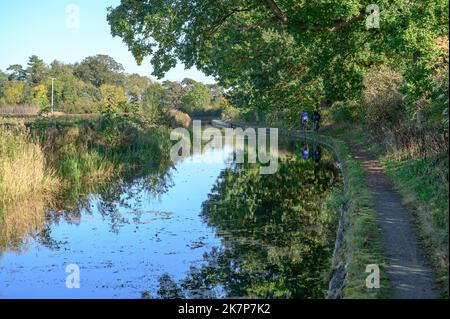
<point>40,27</point>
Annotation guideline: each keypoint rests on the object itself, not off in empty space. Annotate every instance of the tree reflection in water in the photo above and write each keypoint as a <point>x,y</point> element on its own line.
<point>277,235</point>
<point>31,219</point>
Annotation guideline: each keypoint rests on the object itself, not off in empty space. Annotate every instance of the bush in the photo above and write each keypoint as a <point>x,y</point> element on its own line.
<point>345,112</point>
<point>178,118</point>
<point>383,103</point>
<point>81,105</point>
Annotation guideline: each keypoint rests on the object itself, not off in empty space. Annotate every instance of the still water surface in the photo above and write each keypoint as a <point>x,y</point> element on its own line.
<point>206,229</point>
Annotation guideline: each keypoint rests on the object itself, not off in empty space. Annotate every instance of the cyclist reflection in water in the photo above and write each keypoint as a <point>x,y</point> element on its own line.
<point>305,152</point>
<point>317,154</point>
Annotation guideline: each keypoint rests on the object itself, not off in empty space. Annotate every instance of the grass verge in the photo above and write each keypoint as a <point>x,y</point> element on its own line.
<point>424,188</point>
<point>362,239</point>
<point>423,185</point>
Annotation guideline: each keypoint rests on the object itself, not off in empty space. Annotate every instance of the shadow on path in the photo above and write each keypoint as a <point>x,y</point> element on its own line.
<point>409,274</point>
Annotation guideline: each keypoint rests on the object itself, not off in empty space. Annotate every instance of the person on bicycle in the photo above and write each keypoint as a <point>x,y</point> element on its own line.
<point>316,120</point>
<point>304,119</point>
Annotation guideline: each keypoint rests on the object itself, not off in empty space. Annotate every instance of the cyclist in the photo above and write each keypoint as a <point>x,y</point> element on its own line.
<point>304,119</point>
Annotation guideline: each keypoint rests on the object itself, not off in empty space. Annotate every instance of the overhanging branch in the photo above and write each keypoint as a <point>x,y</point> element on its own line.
<point>281,16</point>
<point>285,19</point>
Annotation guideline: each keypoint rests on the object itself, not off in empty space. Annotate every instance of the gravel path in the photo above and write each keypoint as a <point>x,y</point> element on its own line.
<point>409,274</point>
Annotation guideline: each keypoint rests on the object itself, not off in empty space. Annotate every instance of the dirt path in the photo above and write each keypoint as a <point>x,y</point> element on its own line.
<point>409,274</point>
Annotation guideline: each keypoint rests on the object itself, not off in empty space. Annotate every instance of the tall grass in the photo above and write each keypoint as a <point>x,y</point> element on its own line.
<point>23,171</point>
<point>409,140</point>
<point>19,110</point>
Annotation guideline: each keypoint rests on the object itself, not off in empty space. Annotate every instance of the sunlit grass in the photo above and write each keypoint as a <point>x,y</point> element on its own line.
<point>23,170</point>
<point>19,220</point>
<point>423,185</point>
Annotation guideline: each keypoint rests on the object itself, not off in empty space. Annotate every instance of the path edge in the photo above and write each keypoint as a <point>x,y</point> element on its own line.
<point>358,238</point>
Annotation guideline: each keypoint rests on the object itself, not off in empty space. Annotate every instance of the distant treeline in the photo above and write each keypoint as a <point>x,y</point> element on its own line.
<point>99,83</point>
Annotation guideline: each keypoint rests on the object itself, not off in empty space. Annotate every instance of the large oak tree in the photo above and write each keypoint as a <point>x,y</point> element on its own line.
<point>278,54</point>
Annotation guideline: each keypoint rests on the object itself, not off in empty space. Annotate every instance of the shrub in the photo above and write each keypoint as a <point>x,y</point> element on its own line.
<point>179,118</point>
<point>383,103</point>
<point>344,112</point>
<point>409,140</point>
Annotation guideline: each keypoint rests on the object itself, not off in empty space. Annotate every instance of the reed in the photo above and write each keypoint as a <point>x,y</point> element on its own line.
<point>23,170</point>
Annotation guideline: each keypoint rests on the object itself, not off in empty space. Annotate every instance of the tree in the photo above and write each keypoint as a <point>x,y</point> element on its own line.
<point>112,97</point>
<point>154,95</point>
<point>197,98</point>
<point>13,92</point>
<point>70,93</point>
<point>37,70</point>
<point>187,83</point>
<point>3,77</point>
<point>173,93</point>
<point>40,96</point>
<point>274,54</point>
<point>136,86</point>
<point>17,73</point>
<point>99,70</point>
<point>3,82</point>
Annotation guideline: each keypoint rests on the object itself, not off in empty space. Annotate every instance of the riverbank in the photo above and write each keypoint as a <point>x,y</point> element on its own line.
<point>422,184</point>
<point>46,156</point>
<point>272,234</point>
<point>359,241</point>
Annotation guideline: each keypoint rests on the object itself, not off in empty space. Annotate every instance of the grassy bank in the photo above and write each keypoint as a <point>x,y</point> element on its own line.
<point>23,167</point>
<point>362,240</point>
<point>423,186</point>
<point>422,181</point>
<point>49,157</point>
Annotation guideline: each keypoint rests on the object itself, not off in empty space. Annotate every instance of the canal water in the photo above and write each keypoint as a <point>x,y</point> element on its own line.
<point>200,228</point>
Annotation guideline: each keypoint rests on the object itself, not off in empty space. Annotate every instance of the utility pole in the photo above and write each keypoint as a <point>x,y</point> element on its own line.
<point>53,79</point>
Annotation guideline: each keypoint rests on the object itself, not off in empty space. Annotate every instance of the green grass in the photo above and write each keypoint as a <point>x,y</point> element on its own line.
<point>363,243</point>
<point>423,186</point>
<point>76,153</point>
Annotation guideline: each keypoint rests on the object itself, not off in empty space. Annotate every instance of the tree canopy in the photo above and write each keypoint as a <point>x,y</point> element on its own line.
<point>278,54</point>
<point>99,69</point>
<point>99,83</point>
